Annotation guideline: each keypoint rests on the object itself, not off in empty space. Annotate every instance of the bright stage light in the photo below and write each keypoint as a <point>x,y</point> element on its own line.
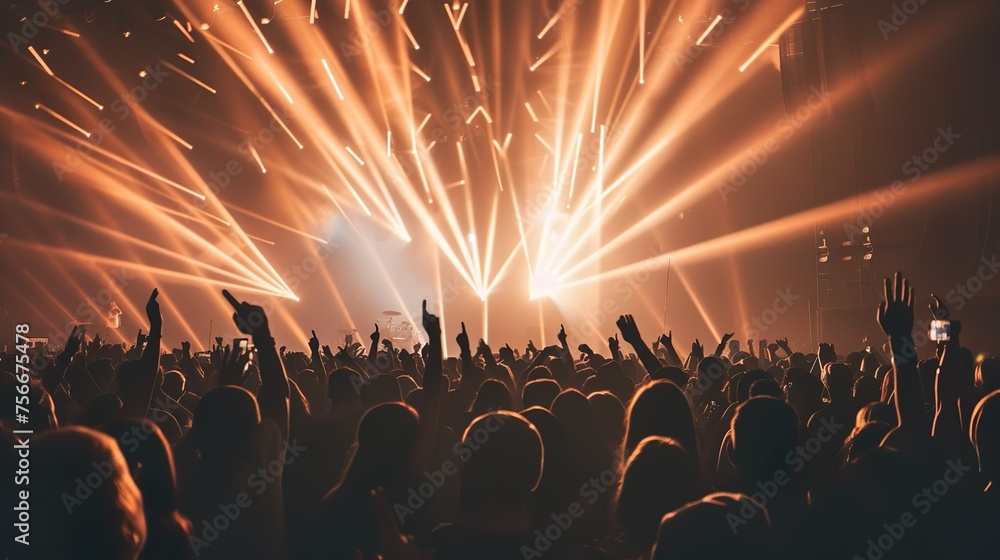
<point>543,285</point>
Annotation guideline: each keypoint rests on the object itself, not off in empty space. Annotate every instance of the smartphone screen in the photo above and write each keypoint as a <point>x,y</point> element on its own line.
<point>940,331</point>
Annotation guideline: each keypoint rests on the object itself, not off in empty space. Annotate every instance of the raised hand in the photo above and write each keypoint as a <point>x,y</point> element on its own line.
<point>628,328</point>
<point>698,349</point>
<point>234,365</point>
<point>666,340</point>
<point>463,340</point>
<point>782,343</point>
<point>530,349</point>
<point>328,353</point>
<point>72,343</point>
<point>140,339</point>
<point>938,309</point>
<point>895,314</point>
<point>586,350</point>
<point>314,344</point>
<point>153,313</point>
<point>432,324</point>
<point>562,335</point>
<point>613,344</point>
<point>507,354</point>
<point>218,341</point>
<point>375,336</point>
<point>249,318</point>
<point>722,344</point>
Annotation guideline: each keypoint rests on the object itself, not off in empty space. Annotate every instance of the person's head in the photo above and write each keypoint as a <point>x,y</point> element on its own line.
<point>985,434</point>
<point>766,388</point>
<point>387,437</point>
<point>866,438</point>
<point>839,381</point>
<point>715,527</point>
<point>610,414</point>
<point>988,375</point>
<point>799,360</point>
<point>804,392</point>
<point>660,476</point>
<point>173,384</point>
<point>540,392</point>
<point>344,389</point>
<point>225,421</point>
<point>660,409</point>
<point>128,377</point>
<point>711,376</point>
<point>502,459</point>
<point>867,389</point>
<point>764,431</point>
<point>492,395</point>
<point>107,525</point>
<point>151,464</point>
<point>747,380</point>
<point>380,389</point>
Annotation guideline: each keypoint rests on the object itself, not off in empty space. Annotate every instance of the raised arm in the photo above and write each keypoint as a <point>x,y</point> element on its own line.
<point>630,332</point>
<point>895,315</point>
<point>316,363</point>
<point>615,347</point>
<point>52,376</point>
<point>373,350</point>
<point>722,344</point>
<point>465,351</point>
<point>273,394</point>
<point>667,343</point>
<point>433,387</point>
<point>135,404</point>
<point>567,355</point>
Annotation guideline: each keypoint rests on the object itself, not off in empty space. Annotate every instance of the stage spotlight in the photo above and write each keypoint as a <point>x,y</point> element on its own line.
<point>543,285</point>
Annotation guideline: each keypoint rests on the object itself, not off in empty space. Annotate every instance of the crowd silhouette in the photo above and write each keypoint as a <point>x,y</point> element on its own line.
<point>347,452</point>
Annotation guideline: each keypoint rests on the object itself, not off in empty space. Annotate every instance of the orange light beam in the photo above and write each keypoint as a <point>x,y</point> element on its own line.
<point>708,31</point>
<point>64,120</point>
<point>773,37</point>
<point>255,28</point>
<point>45,67</point>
